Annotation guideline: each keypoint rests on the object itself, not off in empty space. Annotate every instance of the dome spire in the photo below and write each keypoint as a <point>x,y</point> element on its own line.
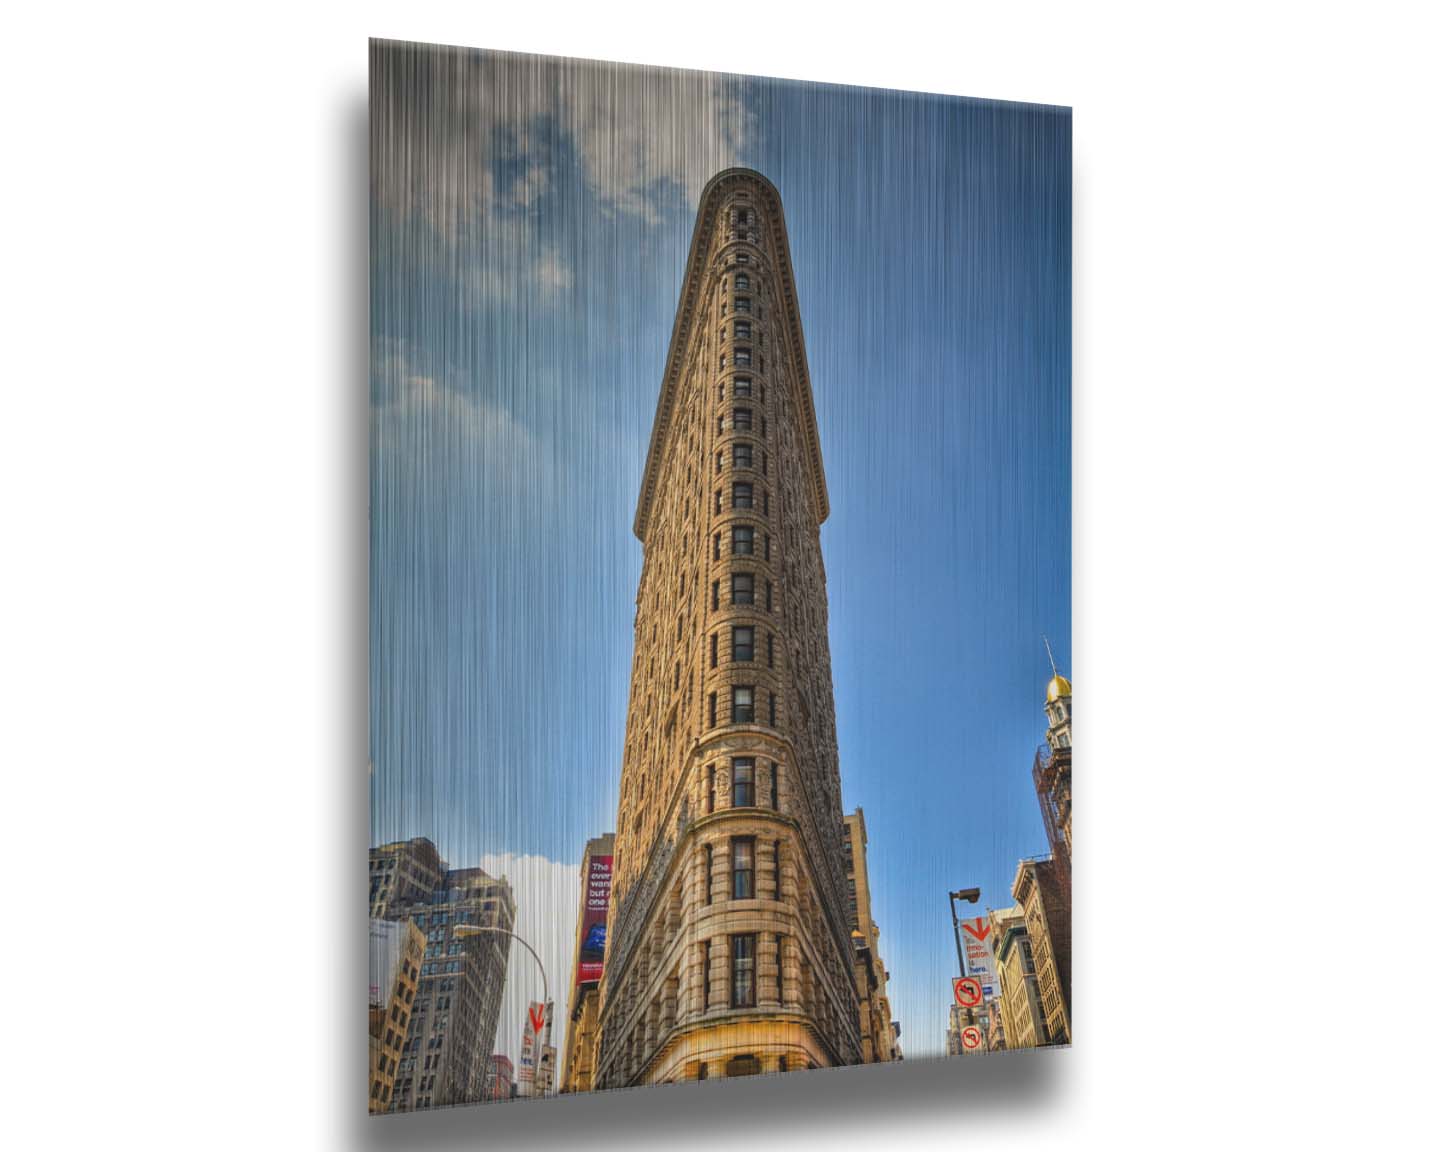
<point>1058,686</point>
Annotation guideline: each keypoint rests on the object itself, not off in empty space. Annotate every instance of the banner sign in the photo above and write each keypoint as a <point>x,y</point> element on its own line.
<point>978,960</point>
<point>592,927</point>
<point>528,1044</point>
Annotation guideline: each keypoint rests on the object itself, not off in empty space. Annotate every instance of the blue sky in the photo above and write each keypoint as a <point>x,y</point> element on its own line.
<point>530,223</point>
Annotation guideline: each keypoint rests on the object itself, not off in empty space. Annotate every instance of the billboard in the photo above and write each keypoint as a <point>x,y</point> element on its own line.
<point>592,924</point>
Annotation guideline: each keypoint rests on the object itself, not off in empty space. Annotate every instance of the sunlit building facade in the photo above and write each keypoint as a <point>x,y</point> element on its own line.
<point>729,949</point>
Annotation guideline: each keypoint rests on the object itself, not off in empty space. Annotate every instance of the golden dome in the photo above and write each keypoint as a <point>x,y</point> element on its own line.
<point>1058,686</point>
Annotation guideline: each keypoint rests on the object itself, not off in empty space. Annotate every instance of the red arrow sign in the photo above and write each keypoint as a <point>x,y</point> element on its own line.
<point>970,1038</point>
<point>979,933</point>
<point>537,1018</point>
<point>967,992</point>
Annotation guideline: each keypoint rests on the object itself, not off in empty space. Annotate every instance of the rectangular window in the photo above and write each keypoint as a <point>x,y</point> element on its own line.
<point>722,391</point>
<point>767,546</point>
<point>742,644</point>
<point>742,420</point>
<point>717,546</point>
<point>772,709</point>
<point>717,499</point>
<point>742,868</point>
<point>779,962</point>
<point>705,979</point>
<point>742,305</point>
<point>722,363</point>
<point>767,502</point>
<point>719,425</point>
<point>714,647</point>
<point>742,588</point>
<point>709,864</point>
<point>770,649</point>
<point>742,282</point>
<point>742,540</point>
<point>715,588</point>
<point>743,456</point>
<point>764,434</point>
<point>742,358</point>
<point>712,709</point>
<point>742,332</point>
<point>719,461</point>
<point>765,463</point>
<point>742,705</point>
<point>743,496</point>
<point>769,596</point>
<point>742,768</point>
<point>775,803</point>
<point>710,788</point>
<point>742,971</point>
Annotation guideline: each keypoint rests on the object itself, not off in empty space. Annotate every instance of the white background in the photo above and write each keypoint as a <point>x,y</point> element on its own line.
<point>182,626</point>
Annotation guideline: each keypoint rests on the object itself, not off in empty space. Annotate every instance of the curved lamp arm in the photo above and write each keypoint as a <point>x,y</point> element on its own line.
<point>475,929</point>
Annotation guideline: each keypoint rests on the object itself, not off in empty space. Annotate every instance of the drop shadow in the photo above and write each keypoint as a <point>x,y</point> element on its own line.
<point>870,1099</point>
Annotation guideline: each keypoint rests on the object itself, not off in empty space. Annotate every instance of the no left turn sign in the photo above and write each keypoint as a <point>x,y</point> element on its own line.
<point>970,1038</point>
<point>967,992</point>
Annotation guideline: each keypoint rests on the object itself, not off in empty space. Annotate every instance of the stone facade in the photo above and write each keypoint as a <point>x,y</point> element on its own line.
<point>1040,891</point>
<point>729,943</point>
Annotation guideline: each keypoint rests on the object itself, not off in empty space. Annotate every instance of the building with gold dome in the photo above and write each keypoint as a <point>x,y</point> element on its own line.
<point>1052,768</point>
<point>729,949</point>
<point>1042,885</point>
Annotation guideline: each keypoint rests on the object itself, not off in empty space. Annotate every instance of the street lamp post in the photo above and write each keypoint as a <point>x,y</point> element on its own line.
<point>973,896</point>
<point>466,930</point>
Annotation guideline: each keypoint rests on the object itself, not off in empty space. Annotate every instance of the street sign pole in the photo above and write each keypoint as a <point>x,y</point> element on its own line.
<point>973,896</point>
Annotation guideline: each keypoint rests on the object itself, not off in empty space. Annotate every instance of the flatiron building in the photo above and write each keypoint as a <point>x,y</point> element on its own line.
<point>730,949</point>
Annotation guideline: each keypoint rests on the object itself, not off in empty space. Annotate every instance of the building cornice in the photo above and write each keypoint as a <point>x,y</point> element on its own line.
<point>681,332</point>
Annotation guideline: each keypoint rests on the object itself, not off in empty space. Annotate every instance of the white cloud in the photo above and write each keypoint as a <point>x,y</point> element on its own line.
<point>417,414</point>
<point>639,129</point>
<point>547,901</point>
<point>450,115</point>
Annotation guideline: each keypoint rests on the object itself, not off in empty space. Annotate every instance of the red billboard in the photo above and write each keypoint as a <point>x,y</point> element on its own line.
<point>592,926</point>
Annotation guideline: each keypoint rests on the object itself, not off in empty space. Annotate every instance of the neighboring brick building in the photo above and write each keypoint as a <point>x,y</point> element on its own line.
<point>729,946</point>
<point>457,1006</point>
<point>1042,886</point>
<point>396,951</point>
<point>582,1035</point>
<point>402,873</point>
<point>500,1078</point>
<point>1021,1013</point>
<point>879,1033</point>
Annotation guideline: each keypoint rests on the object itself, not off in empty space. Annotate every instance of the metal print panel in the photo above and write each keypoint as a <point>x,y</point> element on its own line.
<point>720,577</point>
